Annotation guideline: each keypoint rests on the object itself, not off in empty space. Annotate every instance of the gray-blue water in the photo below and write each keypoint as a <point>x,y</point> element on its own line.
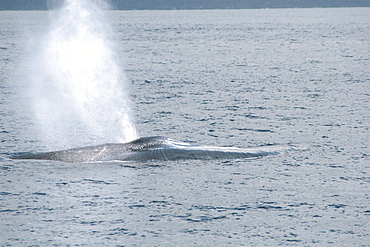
<point>239,78</point>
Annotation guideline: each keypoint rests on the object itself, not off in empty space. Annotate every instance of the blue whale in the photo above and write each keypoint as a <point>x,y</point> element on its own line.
<point>152,148</point>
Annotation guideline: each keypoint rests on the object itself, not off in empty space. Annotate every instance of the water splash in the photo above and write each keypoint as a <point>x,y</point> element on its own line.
<point>78,89</point>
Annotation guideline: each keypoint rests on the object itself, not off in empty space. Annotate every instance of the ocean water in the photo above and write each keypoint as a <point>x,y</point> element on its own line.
<point>240,78</point>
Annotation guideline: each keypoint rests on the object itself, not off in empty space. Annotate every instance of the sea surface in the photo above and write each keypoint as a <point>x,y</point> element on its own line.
<point>240,78</point>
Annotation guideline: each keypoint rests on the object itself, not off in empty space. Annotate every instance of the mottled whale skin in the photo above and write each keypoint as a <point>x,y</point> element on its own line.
<point>152,148</point>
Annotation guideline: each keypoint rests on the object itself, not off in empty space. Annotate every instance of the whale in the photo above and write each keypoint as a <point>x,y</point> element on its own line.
<point>153,148</point>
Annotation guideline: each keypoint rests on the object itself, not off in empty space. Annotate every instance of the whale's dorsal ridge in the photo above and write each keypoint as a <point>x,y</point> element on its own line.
<point>146,142</point>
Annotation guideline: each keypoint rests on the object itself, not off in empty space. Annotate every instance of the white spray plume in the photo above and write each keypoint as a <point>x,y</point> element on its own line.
<point>78,88</point>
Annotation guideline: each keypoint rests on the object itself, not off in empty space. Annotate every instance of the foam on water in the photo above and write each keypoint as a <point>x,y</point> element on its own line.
<point>78,90</point>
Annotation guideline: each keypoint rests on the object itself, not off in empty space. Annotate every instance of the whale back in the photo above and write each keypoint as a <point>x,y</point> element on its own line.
<point>152,148</point>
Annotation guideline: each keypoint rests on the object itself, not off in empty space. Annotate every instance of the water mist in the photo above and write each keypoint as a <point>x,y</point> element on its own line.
<point>78,90</point>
